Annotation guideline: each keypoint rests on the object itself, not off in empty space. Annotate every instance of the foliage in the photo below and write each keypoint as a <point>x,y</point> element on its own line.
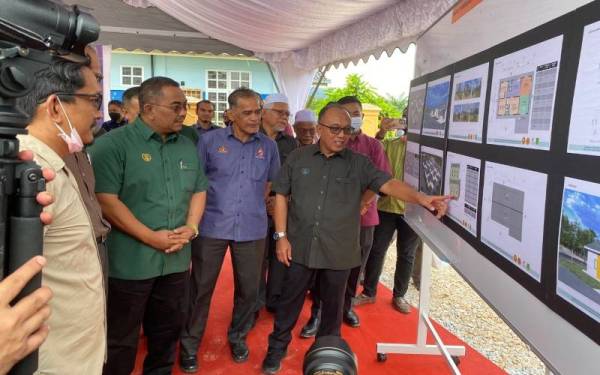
<point>574,236</point>
<point>356,86</point>
<point>578,271</point>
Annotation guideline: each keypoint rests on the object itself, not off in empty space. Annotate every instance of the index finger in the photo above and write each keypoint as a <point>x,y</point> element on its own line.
<point>14,283</point>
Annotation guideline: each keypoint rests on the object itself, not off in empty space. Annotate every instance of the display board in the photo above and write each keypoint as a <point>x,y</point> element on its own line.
<point>412,164</point>
<point>431,171</point>
<point>523,93</point>
<point>512,215</point>
<point>536,217</point>
<point>468,104</point>
<point>462,182</point>
<point>584,128</point>
<point>579,246</point>
<point>436,107</point>
<point>416,99</point>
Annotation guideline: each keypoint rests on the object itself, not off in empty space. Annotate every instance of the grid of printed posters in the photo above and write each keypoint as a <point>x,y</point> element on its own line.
<point>584,130</point>
<point>523,95</point>
<point>436,107</point>
<point>578,265</point>
<point>512,215</point>
<point>462,182</point>
<point>468,101</point>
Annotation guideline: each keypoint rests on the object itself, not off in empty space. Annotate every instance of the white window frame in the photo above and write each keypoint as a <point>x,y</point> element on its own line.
<point>227,90</point>
<point>121,75</point>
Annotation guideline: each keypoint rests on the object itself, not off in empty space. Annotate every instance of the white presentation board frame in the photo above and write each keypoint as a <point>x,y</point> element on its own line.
<point>550,336</point>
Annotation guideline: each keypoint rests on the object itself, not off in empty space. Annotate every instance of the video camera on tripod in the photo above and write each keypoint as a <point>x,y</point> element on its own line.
<point>33,35</point>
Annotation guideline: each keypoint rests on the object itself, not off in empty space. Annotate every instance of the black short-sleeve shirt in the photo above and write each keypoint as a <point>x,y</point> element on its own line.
<point>324,210</point>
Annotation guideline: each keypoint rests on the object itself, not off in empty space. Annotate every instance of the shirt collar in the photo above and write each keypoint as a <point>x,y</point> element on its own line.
<point>317,150</point>
<point>148,133</point>
<point>229,131</point>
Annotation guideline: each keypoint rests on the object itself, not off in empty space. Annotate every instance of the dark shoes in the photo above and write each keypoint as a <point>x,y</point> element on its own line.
<point>351,319</point>
<point>188,364</point>
<point>311,328</point>
<point>362,299</point>
<point>272,362</point>
<point>239,352</point>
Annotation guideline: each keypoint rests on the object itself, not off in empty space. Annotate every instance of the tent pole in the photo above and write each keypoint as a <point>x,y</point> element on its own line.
<point>314,90</point>
<point>273,76</point>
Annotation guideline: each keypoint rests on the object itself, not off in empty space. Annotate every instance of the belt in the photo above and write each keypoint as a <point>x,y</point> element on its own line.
<point>100,240</point>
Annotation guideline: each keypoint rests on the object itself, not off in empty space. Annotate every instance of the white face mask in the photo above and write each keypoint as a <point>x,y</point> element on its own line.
<point>73,141</point>
<point>356,123</point>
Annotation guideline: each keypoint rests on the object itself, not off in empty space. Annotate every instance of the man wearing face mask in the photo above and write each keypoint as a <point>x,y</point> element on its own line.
<point>371,148</point>
<point>115,112</point>
<point>64,105</point>
<point>391,216</point>
<point>153,192</point>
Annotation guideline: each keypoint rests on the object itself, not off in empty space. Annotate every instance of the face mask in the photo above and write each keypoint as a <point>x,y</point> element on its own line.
<point>399,133</point>
<point>356,123</point>
<point>73,141</point>
<point>115,116</point>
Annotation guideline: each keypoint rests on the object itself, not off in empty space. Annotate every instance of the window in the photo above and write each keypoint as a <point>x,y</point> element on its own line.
<point>132,75</point>
<point>195,93</point>
<point>220,84</point>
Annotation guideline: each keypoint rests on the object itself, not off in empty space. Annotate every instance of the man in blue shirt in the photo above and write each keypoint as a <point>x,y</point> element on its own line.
<point>240,162</point>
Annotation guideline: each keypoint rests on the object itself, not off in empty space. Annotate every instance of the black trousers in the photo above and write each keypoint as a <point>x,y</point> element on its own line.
<point>207,259</point>
<point>407,242</point>
<point>298,279</point>
<point>366,240</point>
<point>276,273</point>
<point>155,303</point>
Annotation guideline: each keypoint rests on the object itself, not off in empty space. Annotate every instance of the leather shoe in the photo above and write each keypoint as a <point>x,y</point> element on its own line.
<point>239,352</point>
<point>351,319</point>
<point>272,362</point>
<point>311,327</point>
<point>188,364</point>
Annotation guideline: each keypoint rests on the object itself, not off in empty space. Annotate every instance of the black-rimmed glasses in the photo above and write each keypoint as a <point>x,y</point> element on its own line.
<point>95,99</point>
<point>337,129</point>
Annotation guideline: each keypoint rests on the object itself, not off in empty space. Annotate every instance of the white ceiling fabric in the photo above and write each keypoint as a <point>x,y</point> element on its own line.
<point>309,33</point>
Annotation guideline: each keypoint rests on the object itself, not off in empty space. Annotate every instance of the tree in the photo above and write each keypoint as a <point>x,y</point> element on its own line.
<point>363,91</point>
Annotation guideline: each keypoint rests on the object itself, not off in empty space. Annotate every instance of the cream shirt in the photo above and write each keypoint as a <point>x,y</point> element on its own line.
<point>77,340</point>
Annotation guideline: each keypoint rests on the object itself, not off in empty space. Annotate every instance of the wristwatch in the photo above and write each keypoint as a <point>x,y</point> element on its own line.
<point>278,235</point>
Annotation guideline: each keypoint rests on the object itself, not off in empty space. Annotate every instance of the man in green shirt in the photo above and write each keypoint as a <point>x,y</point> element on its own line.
<point>391,219</point>
<point>153,191</point>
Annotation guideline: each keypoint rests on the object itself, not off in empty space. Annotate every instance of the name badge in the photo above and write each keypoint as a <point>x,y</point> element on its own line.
<point>185,166</point>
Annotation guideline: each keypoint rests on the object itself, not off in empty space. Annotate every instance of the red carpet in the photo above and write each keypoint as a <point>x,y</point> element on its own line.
<point>379,323</point>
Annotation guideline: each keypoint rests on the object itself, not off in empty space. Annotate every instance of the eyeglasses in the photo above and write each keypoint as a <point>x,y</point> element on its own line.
<point>307,130</point>
<point>175,107</point>
<point>337,129</point>
<point>95,99</point>
<point>280,112</point>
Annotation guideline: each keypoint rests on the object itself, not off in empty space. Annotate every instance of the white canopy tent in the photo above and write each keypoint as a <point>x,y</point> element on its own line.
<point>294,37</point>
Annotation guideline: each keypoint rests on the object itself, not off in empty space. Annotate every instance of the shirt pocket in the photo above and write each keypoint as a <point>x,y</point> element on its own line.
<point>259,170</point>
<point>188,175</point>
<point>342,189</point>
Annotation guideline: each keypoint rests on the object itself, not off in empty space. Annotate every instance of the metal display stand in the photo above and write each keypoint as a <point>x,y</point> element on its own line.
<point>451,353</point>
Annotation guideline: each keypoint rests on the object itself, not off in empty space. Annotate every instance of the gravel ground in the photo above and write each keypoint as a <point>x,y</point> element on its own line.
<point>457,307</point>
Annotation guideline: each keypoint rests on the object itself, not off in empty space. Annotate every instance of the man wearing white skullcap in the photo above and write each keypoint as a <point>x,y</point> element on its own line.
<point>275,116</point>
<point>305,124</point>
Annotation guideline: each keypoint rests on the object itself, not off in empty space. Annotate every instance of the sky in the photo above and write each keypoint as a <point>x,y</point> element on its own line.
<point>582,208</point>
<point>388,75</point>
